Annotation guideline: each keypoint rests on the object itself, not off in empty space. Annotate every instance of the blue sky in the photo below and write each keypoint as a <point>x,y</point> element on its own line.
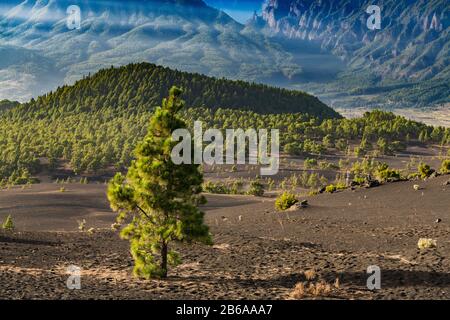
<point>240,10</point>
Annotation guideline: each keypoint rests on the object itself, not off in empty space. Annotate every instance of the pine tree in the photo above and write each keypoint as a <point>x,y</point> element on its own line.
<point>8,224</point>
<point>162,198</point>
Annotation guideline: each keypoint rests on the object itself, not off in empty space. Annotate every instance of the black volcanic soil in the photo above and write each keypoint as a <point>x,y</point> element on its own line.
<point>258,253</point>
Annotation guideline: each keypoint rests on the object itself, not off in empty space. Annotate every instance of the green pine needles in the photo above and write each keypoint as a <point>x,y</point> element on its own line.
<point>159,198</point>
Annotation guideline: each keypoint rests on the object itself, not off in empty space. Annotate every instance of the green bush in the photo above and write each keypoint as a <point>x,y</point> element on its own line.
<point>310,163</point>
<point>217,188</point>
<point>328,166</point>
<point>256,188</point>
<point>424,170</point>
<point>285,201</point>
<point>331,188</point>
<point>293,149</point>
<point>359,180</point>
<point>8,224</point>
<point>445,166</point>
<point>236,187</point>
<point>383,173</point>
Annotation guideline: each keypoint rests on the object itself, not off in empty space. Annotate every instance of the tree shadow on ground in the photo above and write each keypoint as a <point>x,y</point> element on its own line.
<point>394,278</point>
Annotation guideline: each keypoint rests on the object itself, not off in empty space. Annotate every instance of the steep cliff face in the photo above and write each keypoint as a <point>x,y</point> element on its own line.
<point>412,44</point>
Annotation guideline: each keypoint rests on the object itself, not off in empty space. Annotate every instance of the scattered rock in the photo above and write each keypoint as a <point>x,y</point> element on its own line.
<point>433,175</point>
<point>438,220</point>
<point>295,207</point>
<point>416,187</point>
<point>446,183</point>
<point>372,184</point>
<point>304,204</point>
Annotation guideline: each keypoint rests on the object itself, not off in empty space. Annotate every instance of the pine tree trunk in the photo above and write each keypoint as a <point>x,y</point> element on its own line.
<point>164,251</point>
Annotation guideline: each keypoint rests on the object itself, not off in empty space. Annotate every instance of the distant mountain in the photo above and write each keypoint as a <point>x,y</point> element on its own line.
<point>411,48</point>
<point>323,47</point>
<point>141,87</point>
<point>38,51</point>
<point>413,42</point>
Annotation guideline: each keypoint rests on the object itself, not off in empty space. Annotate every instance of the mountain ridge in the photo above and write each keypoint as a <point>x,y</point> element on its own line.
<point>200,39</point>
<point>412,44</point>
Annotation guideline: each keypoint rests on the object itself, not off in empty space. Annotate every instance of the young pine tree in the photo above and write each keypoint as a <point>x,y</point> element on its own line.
<point>8,224</point>
<point>160,198</point>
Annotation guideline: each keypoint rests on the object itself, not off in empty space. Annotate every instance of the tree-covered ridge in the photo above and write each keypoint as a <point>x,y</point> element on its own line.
<point>97,141</point>
<point>141,87</point>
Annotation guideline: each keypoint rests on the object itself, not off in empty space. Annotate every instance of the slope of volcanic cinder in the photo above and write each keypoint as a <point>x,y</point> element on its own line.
<point>258,253</point>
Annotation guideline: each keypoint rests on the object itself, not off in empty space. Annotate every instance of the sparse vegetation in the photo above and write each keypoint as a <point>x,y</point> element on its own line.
<point>385,174</point>
<point>445,166</point>
<point>82,225</point>
<point>425,243</point>
<point>285,201</point>
<point>8,224</point>
<point>332,188</point>
<point>424,170</point>
<point>256,188</point>
<point>313,289</point>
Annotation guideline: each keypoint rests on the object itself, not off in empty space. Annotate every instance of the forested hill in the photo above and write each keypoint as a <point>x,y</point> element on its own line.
<point>140,87</point>
<point>6,104</point>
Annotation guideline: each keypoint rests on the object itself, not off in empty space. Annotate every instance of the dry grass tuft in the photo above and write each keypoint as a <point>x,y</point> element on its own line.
<point>337,283</point>
<point>310,274</point>
<point>313,288</point>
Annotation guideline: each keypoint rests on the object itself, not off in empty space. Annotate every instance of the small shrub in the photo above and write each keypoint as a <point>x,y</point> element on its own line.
<point>331,188</point>
<point>217,188</point>
<point>256,188</point>
<point>270,184</point>
<point>236,187</point>
<point>8,224</point>
<point>341,186</point>
<point>318,289</point>
<point>335,187</point>
<point>62,189</point>
<point>82,225</point>
<point>337,283</point>
<point>285,201</point>
<point>328,166</point>
<point>310,163</point>
<point>384,174</point>
<point>359,180</point>
<point>424,170</point>
<point>310,274</point>
<point>426,243</point>
<point>445,166</point>
<point>413,176</point>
